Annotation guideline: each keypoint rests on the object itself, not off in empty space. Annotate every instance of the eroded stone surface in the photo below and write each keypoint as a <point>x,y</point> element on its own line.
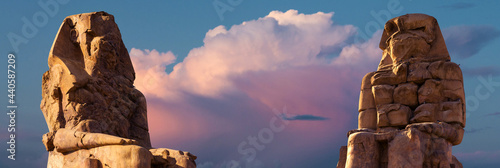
<point>89,86</point>
<point>366,99</point>
<point>396,75</point>
<point>418,97</point>
<point>362,150</point>
<point>426,113</point>
<point>94,114</point>
<point>406,94</point>
<point>119,156</point>
<point>342,157</point>
<point>418,72</point>
<point>445,70</point>
<point>173,158</point>
<point>393,115</point>
<point>383,94</point>
<point>368,119</point>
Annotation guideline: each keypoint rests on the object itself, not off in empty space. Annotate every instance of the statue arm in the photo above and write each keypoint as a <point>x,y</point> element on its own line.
<point>451,132</point>
<point>65,140</point>
<point>367,118</point>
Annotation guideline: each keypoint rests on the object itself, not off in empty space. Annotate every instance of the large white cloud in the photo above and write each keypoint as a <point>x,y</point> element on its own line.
<point>279,40</point>
<point>230,84</point>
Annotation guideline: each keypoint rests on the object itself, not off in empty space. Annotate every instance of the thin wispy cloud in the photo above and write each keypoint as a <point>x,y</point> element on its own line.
<point>476,130</point>
<point>467,40</point>
<point>492,114</point>
<point>306,117</point>
<point>479,158</point>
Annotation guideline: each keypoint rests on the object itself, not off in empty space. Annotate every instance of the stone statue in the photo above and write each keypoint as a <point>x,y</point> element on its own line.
<point>412,109</point>
<point>95,116</point>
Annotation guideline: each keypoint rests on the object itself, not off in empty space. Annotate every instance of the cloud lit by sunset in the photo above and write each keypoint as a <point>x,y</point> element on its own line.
<point>238,83</point>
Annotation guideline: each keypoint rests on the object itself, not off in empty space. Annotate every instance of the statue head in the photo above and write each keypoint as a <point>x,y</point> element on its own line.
<point>89,85</point>
<point>412,38</point>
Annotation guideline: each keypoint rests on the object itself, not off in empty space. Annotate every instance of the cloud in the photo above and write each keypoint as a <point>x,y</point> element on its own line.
<point>466,40</point>
<point>225,91</point>
<point>476,130</point>
<point>151,58</point>
<point>482,71</point>
<point>458,5</point>
<point>492,114</point>
<point>149,66</point>
<point>303,117</point>
<point>479,158</point>
<point>479,154</point>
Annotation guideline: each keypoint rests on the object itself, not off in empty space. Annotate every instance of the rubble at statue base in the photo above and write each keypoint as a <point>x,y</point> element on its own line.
<point>412,109</point>
<point>96,117</point>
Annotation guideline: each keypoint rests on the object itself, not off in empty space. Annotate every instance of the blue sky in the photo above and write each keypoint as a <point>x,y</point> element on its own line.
<point>320,90</point>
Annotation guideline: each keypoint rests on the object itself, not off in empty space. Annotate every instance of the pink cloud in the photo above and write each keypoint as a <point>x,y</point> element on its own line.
<point>268,43</point>
<point>317,90</point>
<point>171,124</point>
<point>481,155</point>
<point>479,158</point>
<point>149,66</point>
<point>225,90</point>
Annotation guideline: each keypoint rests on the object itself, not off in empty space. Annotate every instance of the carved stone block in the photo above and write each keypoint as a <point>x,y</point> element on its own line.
<point>393,115</point>
<point>406,94</point>
<point>366,99</point>
<point>425,113</point>
<point>435,91</point>
<point>343,157</point>
<point>430,92</point>
<point>368,119</point>
<point>452,112</point>
<point>396,76</point>
<point>445,70</point>
<point>383,94</point>
<point>453,90</point>
<point>362,150</point>
<point>418,72</point>
<point>366,82</point>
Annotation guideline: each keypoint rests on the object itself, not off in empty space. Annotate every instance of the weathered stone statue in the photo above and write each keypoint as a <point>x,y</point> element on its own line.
<point>96,117</point>
<point>412,109</point>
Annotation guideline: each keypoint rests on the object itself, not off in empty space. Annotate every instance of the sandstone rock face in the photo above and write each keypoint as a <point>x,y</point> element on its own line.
<point>415,111</point>
<point>95,116</point>
<point>121,156</point>
<point>171,158</point>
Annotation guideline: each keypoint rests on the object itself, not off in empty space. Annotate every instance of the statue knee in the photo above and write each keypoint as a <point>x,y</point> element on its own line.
<point>362,150</point>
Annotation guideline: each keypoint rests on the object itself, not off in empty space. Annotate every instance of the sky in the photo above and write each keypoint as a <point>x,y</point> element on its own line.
<point>254,83</point>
